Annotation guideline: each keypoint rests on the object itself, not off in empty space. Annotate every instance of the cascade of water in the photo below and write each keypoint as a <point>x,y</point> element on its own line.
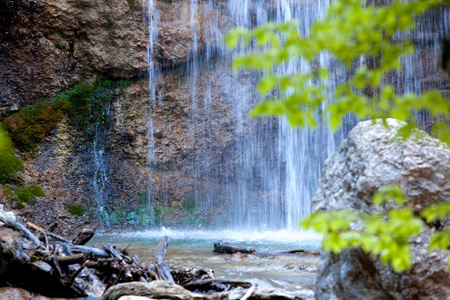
<point>266,175</point>
<point>420,69</point>
<point>100,178</point>
<point>270,172</point>
<point>151,19</point>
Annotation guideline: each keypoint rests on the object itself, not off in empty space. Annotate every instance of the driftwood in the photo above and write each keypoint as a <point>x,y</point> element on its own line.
<point>167,290</point>
<point>19,227</point>
<point>83,237</point>
<point>297,251</point>
<point>162,269</point>
<point>72,259</point>
<point>47,233</point>
<point>58,267</point>
<point>225,248</point>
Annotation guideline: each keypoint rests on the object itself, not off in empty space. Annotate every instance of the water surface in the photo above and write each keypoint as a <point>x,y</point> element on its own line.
<point>193,249</point>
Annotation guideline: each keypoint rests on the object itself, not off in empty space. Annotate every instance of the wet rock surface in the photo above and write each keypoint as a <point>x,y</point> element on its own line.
<point>367,160</point>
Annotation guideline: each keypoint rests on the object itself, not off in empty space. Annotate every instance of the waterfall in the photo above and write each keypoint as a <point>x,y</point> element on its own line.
<point>264,178</point>
<point>100,177</point>
<point>151,20</point>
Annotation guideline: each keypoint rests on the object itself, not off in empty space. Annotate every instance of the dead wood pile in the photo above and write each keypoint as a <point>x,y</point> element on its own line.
<point>45,263</point>
<point>51,265</point>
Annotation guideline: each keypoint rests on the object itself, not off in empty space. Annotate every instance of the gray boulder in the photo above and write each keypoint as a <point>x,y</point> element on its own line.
<point>369,158</point>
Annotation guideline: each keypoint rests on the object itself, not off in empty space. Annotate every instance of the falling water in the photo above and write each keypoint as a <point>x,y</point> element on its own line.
<point>266,176</point>
<point>151,19</point>
<point>100,178</point>
<point>421,69</point>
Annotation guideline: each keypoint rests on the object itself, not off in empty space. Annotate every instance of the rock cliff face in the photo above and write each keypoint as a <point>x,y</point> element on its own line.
<point>47,46</point>
<point>367,160</point>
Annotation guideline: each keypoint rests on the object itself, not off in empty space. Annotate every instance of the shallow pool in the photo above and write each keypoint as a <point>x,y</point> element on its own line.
<point>193,249</point>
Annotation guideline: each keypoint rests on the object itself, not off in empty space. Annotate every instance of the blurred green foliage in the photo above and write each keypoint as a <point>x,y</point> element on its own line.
<point>362,39</point>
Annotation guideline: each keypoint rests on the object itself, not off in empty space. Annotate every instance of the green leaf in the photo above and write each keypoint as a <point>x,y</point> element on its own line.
<point>440,240</point>
<point>389,192</point>
<point>437,211</point>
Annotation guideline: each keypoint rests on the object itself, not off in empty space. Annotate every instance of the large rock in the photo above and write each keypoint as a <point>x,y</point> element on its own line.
<point>370,158</point>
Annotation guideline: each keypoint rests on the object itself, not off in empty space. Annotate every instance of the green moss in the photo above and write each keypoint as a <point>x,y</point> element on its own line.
<point>26,194</point>
<point>60,46</point>
<point>131,3</point>
<point>20,205</point>
<point>10,165</point>
<point>7,190</point>
<point>28,127</point>
<point>85,104</point>
<point>76,209</point>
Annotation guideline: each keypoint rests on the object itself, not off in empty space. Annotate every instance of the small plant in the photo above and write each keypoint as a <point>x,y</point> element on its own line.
<point>25,194</point>
<point>76,209</point>
<point>60,47</point>
<point>7,190</point>
<point>131,3</point>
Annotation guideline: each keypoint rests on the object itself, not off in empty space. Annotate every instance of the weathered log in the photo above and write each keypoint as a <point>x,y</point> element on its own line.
<point>19,227</point>
<point>167,290</point>
<point>42,230</point>
<point>297,251</point>
<point>90,250</point>
<point>197,284</point>
<point>113,252</point>
<point>249,293</point>
<point>162,269</point>
<point>70,260</point>
<point>50,228</point>
<point>225,248</point>
<point>83,237</point>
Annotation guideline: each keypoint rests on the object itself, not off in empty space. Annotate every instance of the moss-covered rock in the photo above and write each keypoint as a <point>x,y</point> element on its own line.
<point>85,104</point>
<point>10,165</point>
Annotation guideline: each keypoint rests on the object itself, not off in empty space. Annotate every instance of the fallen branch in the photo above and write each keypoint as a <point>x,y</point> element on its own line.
<point>113,252</point>
<point>225,248</point>
<point>162,269</point>
<point>90,250</point>
<point>45,232</point>
<point>297,251</point>
<point>70,260</point>
<point>249,293</point>
<point>19,227</point>
<point>83,237</point>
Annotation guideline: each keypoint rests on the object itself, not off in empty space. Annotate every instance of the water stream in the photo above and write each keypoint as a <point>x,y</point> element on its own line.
<point>193,249</point>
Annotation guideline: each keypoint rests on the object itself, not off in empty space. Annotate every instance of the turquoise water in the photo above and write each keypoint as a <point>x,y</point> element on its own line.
<point>193,249</point>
